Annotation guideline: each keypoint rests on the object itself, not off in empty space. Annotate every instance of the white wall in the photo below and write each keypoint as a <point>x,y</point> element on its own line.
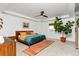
<point>13,23</point>
<point>52,34</point>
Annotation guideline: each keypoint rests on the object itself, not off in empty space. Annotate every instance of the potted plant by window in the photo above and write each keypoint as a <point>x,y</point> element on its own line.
<point>67,29</point>
<point>64,29</point>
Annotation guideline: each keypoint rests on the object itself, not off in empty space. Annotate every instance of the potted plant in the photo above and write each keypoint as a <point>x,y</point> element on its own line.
<point>67,29</point>
<point>64,29</point>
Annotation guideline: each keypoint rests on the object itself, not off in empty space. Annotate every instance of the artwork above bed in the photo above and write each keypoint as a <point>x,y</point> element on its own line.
<point>25,25</point>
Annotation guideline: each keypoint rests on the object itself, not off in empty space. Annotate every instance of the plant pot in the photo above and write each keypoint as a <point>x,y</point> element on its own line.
<point>63,39</point>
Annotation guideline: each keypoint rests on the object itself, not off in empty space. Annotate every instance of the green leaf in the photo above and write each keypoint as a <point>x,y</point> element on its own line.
<point>59,27</point>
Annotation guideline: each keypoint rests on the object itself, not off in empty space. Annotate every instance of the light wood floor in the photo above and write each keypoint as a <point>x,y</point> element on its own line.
<point>55,49</point>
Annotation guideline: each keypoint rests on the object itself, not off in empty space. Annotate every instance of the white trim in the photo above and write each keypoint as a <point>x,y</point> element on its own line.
<point>33,19</point>
<point>19,15</point>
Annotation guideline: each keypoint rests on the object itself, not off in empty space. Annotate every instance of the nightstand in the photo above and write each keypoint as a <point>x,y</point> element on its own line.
<point>12,38</point>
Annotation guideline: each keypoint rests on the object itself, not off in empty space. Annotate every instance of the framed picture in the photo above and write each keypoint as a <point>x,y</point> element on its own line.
<point>25,25</point>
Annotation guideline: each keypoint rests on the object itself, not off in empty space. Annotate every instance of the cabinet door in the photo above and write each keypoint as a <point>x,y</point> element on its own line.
<point>8,49</point>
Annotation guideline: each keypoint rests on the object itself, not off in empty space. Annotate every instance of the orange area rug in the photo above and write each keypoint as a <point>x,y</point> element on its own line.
<point>33,50</point>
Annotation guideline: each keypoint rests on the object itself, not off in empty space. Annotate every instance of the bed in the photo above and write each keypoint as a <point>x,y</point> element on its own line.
<point>29,37</point>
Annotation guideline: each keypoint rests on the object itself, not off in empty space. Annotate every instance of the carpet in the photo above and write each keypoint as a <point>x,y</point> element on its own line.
<point>33,50</point>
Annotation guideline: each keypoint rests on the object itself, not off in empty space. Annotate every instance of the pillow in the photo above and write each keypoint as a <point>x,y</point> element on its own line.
<point>32,33</point>
<point>23,33</point>
<point>21,37</point>
<point>28,32</point>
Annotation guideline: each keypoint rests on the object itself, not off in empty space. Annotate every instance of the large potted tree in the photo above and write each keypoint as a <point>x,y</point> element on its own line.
<point>64,29</point>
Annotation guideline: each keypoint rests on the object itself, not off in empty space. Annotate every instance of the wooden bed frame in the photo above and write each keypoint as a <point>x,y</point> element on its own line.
<point>18,33</point>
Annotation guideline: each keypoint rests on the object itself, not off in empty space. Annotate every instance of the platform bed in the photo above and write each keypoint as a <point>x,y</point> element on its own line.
<point>28,44</point>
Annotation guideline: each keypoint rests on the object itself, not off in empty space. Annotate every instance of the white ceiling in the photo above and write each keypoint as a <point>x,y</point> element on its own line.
<point>3,6</point>
<point>33,9</point>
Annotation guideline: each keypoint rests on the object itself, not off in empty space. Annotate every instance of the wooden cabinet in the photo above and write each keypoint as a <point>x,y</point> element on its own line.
<point>8,48</point>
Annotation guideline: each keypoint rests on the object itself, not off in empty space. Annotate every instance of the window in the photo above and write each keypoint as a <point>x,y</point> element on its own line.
<point>51,26</point>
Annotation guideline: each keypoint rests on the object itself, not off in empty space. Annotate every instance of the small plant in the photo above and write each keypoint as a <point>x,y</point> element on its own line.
<point>64,29</point>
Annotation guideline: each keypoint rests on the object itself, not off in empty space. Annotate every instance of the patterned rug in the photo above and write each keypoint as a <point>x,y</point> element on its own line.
<point>33,50</point>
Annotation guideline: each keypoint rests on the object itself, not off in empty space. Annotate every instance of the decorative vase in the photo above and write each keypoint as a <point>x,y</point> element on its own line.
<point>1,39</point>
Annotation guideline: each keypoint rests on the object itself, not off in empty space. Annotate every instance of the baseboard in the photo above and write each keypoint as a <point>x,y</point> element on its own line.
<point>66,39</point>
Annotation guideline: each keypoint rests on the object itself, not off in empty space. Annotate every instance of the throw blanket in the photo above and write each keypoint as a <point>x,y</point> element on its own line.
<point>36,38</point>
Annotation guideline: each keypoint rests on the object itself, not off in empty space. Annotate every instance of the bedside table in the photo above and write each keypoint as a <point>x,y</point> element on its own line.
<point>12,38</point>
<point>8,48</point>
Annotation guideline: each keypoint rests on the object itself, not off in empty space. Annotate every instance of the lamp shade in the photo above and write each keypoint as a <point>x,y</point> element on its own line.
<point>1,39</point>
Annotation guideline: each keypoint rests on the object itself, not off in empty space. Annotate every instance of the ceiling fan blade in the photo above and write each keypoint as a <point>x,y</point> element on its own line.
<point>42,12</point>
<point>45,16</point>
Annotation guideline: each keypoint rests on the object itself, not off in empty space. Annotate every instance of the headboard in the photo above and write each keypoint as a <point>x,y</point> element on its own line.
<point>18,33</point>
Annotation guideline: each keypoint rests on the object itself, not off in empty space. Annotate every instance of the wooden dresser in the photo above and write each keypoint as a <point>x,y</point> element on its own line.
<point>8,48</point>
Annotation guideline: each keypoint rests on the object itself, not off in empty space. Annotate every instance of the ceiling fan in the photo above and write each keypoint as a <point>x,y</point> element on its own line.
<point>42,14</point>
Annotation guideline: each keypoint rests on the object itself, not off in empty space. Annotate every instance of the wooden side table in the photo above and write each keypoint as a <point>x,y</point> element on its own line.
<point>8,48</point>
<point>12,38</point>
